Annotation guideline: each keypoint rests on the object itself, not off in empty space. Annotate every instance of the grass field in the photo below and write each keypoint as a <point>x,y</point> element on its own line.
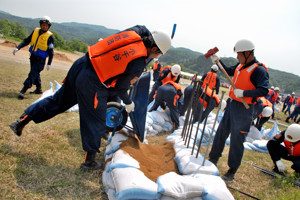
<point>43,163</point>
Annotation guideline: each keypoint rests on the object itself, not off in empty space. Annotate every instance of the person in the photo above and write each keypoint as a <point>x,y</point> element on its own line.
<point>91,80</point>
<point>41,42</point>
<point>170,95</point>
<point>271,90</point>
<point>205,104</point>
<point>285,103</point>
<point>291,100</point>
<point>295,113</point>
<point>273,98</point>
<point>156,69</point>
<point>170,73</point>
<point>211,78</point>
<point>290,151</point>
<point>251,79</point>
<point>264,114</point>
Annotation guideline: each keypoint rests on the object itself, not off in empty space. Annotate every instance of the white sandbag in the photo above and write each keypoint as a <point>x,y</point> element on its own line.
<point>214,187</point>
<point>107,180</point>
<point>45,94</point>
<point>156,117</point>
<point>261,144</point>
<point>246,146</point>
<point>114,143</point>
<point>122,159</point>
<point>149,121</point>
<point>111,194</point>
<point>167,126</point>
<point>131,183</point>
<point>151,131</point>
<point>158,127</point>
<point>179,187</point>
<point>254,133</point>
<point>274,131</point>
<point>166,115</point>
<point>165,197</point>
<point>57,86</point>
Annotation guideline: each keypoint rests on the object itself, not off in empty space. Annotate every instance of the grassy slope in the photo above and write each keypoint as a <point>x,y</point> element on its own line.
<point>43,163</point>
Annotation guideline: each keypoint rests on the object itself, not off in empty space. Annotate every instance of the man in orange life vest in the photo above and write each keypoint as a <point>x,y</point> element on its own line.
<point>290,101</point>
<point>41,42</point>
<point>290,151</point>
<point>212,79</point>
<point>295,113</point>
<point>170,94</point>
<point>263,111</point>
<point>156,69</point>
<point>196,113</point>
<point>271,90</point>
<point>168,74</point>
<point>251,79</point>
<point>273,98</point>
<point>284,106</point>
<point>107,69</point>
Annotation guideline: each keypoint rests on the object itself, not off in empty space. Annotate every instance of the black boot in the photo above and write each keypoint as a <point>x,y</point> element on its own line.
<point>229,176</point>
<point>22,93</point>
<point>287,120</point>
<point>38,90</point>
<point>18,125</point>
<point>90,163</point>
<point>175,126</point>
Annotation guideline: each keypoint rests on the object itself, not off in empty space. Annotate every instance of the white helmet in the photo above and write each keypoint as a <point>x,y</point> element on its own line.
<point>272,87</point>
<point>243,45</point>
<point>276,88</point>
<point>175,70</point>
<point>215,68</point>
<point>223,104</point>
<point>162,40</point>
<point>293,93</point>
<point>46,19</point>
<point>267,111</point>
<point>292,133</point>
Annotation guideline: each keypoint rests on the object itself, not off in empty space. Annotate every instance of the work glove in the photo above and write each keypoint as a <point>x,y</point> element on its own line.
<point>214,58</point>
<point>15,51</point>
<point>129,107</point>
<point>280,166</point>
<point>48,67</point>
<point>238,93</point>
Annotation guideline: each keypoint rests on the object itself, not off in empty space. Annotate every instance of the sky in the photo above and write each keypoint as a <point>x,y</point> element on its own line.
<point>272,25</point>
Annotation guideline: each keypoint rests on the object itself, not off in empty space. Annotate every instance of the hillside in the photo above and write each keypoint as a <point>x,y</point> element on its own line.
<point>191,61</point>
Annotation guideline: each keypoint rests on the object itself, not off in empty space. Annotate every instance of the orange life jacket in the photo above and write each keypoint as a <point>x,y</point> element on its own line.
<point>208,93</point>
<point>292,99</point>
<point>155,66</point>
<point>298,102</point>
<point>293,148</point>
<point>111,55</point>
<point>270,92</point>
<point>274,97</point>
<point>211,79</point>
<point>169,77</point>
<point>265,102</point>
<point>177,87</point>
<point>241,80</point>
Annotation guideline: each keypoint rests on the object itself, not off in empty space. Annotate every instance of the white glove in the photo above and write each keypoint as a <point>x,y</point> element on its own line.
<point>214,58</point>
<point>129,107</point>
<point>15,51</point>
<point>238,93</point>
<point>280,166</point>
<point>48,67</point>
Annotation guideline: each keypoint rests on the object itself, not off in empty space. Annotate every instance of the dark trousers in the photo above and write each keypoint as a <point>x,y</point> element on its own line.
<point>82,86</point>
<point>236,122</point>
<point>278,151</point>
<point>36,66</point>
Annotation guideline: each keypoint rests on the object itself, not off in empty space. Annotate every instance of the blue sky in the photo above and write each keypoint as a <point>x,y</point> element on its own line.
<point>272,25</point>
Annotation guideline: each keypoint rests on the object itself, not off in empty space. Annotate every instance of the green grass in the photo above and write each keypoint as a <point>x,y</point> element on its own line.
<point>43,163</point>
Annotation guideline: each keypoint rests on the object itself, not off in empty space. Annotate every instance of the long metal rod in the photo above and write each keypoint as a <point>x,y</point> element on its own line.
<point>244,193</point>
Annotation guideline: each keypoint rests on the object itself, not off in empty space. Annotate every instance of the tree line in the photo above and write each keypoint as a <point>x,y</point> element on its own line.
<point>12,30</point>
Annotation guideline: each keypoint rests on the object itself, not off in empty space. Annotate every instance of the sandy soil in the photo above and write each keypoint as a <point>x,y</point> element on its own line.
<point>61,60</point>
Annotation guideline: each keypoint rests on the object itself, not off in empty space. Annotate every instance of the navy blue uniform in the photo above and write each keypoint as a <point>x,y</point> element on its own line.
<point>37,63</point>
<point>187,96</point>
<point>278,151</point>
<point>166,93</point>
<point>156,72</point>
<point>237,119</point>
<point>83,86</point>
<point>158,82</point>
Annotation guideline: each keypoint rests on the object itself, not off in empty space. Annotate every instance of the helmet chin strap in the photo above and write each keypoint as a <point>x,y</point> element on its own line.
<point>246,57</point>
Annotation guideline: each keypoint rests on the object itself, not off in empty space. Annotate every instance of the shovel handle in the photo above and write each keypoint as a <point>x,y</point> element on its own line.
<point>231,83</point>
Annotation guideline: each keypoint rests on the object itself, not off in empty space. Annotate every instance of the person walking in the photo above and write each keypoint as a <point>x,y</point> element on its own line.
<point>107,69</point>
<point>251,79</point>
<point>289,151</point>
<point>295,113</point>
<point>41,42</point>
<point>290,101</point>
<point>273,98</point>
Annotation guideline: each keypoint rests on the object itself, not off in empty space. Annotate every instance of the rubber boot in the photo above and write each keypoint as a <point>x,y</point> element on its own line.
<point>229,176</point>
<point>18,125</point>
<point>22,93</point>
<point>90,163</point>
<point>287,120</point>
<point>38,90</point>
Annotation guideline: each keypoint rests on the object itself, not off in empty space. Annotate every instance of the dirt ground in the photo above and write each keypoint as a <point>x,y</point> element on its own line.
<point>61,60</point>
